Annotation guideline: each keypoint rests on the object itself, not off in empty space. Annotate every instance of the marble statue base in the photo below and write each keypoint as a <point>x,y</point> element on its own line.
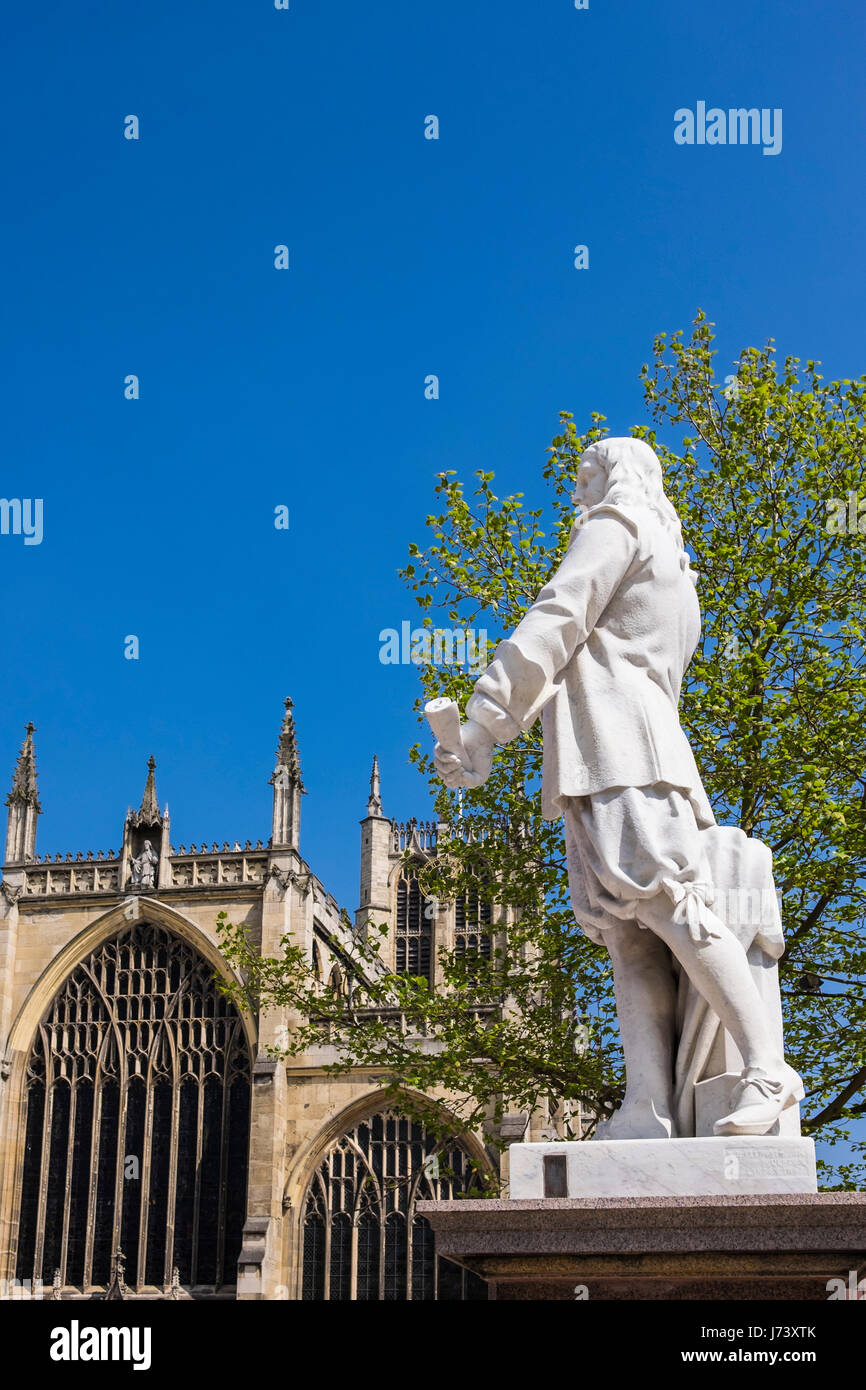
<point>725,1167</point>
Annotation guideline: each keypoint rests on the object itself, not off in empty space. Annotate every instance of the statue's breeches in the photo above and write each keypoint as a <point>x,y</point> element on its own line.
<point>625,845</point>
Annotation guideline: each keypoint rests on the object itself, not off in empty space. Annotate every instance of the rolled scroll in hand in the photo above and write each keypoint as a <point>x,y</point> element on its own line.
<point>443,716</point>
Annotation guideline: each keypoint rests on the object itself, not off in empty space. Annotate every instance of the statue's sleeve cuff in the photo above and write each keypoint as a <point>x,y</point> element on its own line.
<point>492,717</point>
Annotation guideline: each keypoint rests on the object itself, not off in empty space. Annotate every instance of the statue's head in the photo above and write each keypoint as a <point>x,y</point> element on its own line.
<point>624,472</point>
<point>627,465</point>
<point>147,844</point>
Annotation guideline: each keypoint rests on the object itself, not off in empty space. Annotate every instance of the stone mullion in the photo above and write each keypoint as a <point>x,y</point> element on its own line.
<point>196,1206</point>
<point>400,1151</point>
<point>172,1168</point>
<point>353,1259</point>
<point>47,1118</point>
<point>67,1187</point>
<point>145,1176</point>
<point>95,1136</point>
<point>119,1178</point>
<point>383,1216</point>
<point>221,1207</point>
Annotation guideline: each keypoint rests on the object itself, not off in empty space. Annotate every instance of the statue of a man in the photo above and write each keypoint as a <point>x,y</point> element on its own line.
<point>600,658</point>
<point>144,867</point>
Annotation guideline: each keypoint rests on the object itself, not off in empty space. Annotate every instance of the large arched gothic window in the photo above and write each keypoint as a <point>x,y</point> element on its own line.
<point>414,935</point>
<point>362,1237</point>
<point>138,1091</point>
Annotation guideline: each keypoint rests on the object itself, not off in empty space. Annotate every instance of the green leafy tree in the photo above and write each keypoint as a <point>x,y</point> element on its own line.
<point>766,482</point>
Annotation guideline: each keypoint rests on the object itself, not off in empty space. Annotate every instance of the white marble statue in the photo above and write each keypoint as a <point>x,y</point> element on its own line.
<point>600,657</point>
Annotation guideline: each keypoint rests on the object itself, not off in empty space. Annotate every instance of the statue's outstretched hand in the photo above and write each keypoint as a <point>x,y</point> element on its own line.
<point>478,746</point>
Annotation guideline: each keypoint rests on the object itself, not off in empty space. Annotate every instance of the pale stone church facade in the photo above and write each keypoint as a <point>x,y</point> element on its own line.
<point>150,1146</point>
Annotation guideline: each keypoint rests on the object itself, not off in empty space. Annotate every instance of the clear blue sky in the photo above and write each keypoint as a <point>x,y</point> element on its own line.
<point>306,387</point>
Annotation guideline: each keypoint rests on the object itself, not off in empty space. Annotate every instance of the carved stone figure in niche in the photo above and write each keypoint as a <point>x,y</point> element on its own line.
<point>144,867</point>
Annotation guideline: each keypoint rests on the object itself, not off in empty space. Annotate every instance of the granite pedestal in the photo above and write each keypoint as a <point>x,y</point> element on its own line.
<point>738,1217</point>
<point>739,1247</point>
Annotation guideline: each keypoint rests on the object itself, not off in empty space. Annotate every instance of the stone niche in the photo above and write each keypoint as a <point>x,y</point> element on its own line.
<point>143,855</point>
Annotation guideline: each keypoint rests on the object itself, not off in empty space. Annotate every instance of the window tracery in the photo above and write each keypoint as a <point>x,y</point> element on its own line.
<point>362,1237</point>
<point>137,1121</point>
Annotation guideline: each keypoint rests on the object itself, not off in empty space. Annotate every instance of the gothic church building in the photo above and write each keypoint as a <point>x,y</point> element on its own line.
<point>150,1146</point>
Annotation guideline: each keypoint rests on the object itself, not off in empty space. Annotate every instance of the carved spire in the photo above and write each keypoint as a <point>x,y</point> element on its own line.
<point>148,811</point>
<point>149,804</point>
<point>288,786</point>
<point>23,803</point>
<point>374,801</point>
<point>24,776</point>
<point>117,1288</point>
<point>287,752</point>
